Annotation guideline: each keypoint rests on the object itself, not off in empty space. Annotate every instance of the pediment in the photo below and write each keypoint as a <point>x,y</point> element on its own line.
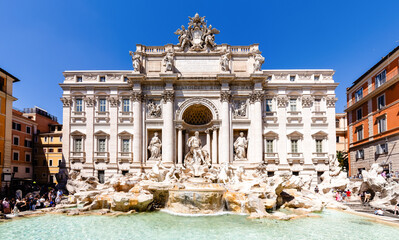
<point>271,134</point>
<point>295,134</point>
<point>320,134</point>
<point>77,133</point>
<point>102,133</point>
<point>125,133</point>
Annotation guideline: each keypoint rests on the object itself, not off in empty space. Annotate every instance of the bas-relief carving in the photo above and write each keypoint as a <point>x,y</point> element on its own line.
<point>136,61</point>
<point>197,87</point>
<point>90,77</point>
<point>239,109</point>
<point>198,36</point>
<point>240,148</point>
<point>113,77</point>
<point>281,77</point>
<point>70,78</point>
<point>304,77</point>
<point>155,146</point>
<point>154,109</point>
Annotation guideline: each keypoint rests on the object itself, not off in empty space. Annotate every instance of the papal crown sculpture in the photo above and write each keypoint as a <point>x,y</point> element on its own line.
<point>198,35</point>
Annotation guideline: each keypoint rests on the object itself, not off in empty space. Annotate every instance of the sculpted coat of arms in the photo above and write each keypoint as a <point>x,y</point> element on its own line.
<point>198,36</point>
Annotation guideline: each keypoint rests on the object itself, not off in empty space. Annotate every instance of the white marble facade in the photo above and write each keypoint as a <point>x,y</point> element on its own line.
<point>287,116</point>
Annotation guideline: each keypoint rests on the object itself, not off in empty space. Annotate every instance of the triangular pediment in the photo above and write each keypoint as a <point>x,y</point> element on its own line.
<point>125,133</point>
<point>320,134</point>
<point>271,134</point>
<point>77,133</point>
<point>295,134</point>
<point>100,132</point>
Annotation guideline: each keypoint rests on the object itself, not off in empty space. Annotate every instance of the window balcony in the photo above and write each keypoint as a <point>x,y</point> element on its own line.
<point>270,117</point>
<point>78,117</point>
<point>292,157</point>
<point>78,157</point>
<point>101,116</point>
<point>294,117</point>
<point>101,157</point>
<point>320,157</point>
<point>125,117</point>
<point>319,116</point>
<point>271,158</point>
<point>125,157</point>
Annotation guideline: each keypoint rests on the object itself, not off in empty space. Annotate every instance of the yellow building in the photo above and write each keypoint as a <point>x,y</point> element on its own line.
<point>6,100</point>
<point>48,160</point>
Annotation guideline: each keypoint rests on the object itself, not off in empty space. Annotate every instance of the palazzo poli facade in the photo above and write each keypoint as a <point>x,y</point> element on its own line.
<point>127,121</point>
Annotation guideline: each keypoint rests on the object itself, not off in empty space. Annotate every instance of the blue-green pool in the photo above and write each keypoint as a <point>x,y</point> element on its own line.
<point>159,225</point>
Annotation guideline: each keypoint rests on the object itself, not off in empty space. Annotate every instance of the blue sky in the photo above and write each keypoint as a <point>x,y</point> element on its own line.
<point>41,39</point>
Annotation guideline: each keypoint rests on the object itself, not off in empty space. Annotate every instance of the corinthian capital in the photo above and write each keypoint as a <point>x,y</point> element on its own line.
<point>137,96</point>
<point>256,96</point>
<point>307,101</point>
<point>282,101</point>
<point>90,101</point>
<point>113,101</point>
<point>330,100</point>
<point>66,101</point>
<point>225,96</point>
<point>168,96</point>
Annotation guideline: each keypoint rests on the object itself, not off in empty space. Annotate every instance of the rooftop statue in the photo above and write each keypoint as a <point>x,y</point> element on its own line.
<point>198,36</point>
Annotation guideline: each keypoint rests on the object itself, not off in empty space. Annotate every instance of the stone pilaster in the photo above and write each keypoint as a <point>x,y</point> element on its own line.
<point>179,144</point>
<point>66,129</point>
<point>282,147</point>
<point>168,129</point>
<point>88,145</point>
<point>308,141</point>
<point>113,138</point>
<point>224,144</point>
<point>214,145</point>
<point>256,139</point>
<point>137,98</point>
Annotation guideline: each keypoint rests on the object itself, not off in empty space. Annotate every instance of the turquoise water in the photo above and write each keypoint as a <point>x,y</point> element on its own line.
<point>158,225</point>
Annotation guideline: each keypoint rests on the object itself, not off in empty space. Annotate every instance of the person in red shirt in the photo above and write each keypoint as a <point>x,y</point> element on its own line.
<point>348,195</point>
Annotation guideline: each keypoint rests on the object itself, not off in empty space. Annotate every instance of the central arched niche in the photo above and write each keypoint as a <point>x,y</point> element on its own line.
<point>197,114</point>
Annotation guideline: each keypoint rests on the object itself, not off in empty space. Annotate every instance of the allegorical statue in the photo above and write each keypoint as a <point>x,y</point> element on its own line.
<point>168,61</point>
<point>209,36</point>
<point>240,147</point>
<point>197,158</point>
<point>155,147</point>
<point>259,60</point>
<point>224,62</point>
<point>184,37</point>
<point>136,61</point>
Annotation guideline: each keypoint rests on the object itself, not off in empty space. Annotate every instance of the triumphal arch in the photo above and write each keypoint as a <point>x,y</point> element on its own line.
<point>198,102</point>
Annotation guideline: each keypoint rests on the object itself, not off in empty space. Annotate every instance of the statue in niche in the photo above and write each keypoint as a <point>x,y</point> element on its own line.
<point>154,110</point>
<point>168,61</point>
<point>197,158</point>
<point>240,109</point>
<point>155,147</point>
<point>224,62</point>
<point>136,61</point>
<point>259,60</point>
<point>240,148</point>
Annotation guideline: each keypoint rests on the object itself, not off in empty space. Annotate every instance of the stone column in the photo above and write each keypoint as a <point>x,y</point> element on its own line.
<point>256,140</point>
<point>214,145</point>
<point>224,145</point>
<point>137,98</point>
<point>88,145</point>
<point>282,148</point>
<point>308,141</point>
<point>168,129</point>
<point>179,145</point>
<point>208,140</point>
<point>66,129</point>
<point>331,146</point>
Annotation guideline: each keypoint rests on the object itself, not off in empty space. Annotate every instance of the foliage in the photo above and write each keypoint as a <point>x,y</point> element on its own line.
<point>343,160</point>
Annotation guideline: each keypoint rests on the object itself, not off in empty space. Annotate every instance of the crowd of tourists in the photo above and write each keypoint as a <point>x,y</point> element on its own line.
<point>343,196</point>
<point>42,199</point>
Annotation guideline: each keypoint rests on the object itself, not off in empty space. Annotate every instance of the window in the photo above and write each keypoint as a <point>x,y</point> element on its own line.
<point>382,124</point>
<point>15,169</point>
<point>380,102</point>
<point>125,79</point>
<point>45,139</point>
<point>317,105</point>
<point>319,145</point>
<point>51,150</point>
<point>77,145</point>
<point>51,139</point>
<point>102,105</point>
<point>125,145</point>
<point>15,156</point>
<point>382,148</point>
<point>79,79</point>
<point>292,78</point>
<point>28,130</point>
<point>28,143</point>
<point>59,128</point>
<point>50,162</point>
<point>269,146</point>
<point>16,141</point>
<point>294,146</point>
<point>27,170</point>
<point>35,139</point>
<point>359,114</point>
<point>337,123</point>
<point>126,105</point>
<point>293,105</point>
<point>27,157</point>
<point>380,79</point>
<point>337,139</point>
<point>52,128</point>
<point>101,145</point>
<point>359,132</point>
<point>316,77</point>
<point>59,162</point>
<point>59,150</point>
<point>359,94</point>
<point>61,139</point>
<point>16,126</point>
<point>269,105</point>
<point>79,105</point>
<point>360,154</point>
<point>102,79</point>
<point>1,86</point>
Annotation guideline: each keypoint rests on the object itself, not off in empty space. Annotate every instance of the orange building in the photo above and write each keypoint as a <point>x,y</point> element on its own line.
<point>6,100</point>
<point>23,130</point>
<point>341,132</point>
<point>373,117</point>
